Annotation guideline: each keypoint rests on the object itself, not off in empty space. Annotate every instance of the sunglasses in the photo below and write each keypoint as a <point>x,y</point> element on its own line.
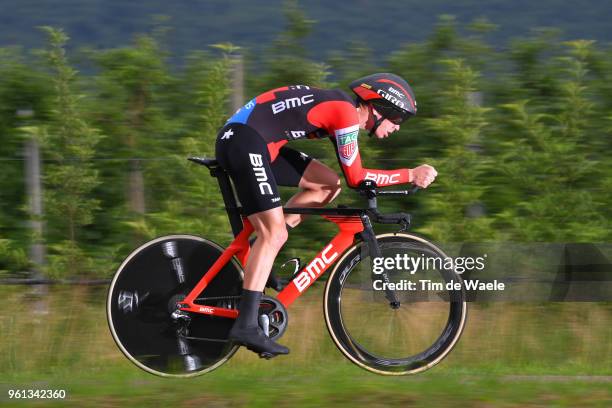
<point>393,115</point>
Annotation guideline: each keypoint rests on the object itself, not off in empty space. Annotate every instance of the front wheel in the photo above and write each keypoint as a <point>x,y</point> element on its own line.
<point>395,338</point>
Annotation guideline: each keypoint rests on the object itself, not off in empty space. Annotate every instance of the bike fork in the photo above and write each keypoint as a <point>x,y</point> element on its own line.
<point>374,250</point>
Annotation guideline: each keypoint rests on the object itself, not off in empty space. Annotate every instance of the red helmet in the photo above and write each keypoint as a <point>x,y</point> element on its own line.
<point>389,94</point>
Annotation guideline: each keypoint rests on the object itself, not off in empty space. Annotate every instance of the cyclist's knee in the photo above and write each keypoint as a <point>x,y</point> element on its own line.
<point>274,235</point>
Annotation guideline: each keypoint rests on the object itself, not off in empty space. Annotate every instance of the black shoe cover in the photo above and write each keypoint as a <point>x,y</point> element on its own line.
<point>254,339</point>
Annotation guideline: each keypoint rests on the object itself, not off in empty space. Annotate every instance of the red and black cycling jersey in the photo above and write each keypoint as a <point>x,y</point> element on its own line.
<point>299,111</point>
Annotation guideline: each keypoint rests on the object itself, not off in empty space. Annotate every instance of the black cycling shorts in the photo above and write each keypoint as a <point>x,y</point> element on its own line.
<point>244,155</point>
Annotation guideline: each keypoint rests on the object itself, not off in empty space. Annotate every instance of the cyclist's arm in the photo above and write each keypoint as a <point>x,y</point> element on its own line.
<point>355,173</point>
<point>340,120</point>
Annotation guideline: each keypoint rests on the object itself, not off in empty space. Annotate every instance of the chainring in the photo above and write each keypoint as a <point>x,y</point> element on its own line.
<point>277,316</point>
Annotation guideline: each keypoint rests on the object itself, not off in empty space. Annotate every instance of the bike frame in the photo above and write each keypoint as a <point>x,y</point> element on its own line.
<point>348,226</point>
<point>350,221</point>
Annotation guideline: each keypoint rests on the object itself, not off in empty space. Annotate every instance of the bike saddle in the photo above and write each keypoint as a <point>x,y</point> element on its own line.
<point>205,161</point>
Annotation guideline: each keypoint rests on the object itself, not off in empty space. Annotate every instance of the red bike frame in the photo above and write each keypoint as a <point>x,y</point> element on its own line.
<point>348,225</point>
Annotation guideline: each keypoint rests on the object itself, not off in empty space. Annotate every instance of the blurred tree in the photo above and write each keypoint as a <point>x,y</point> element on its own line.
<point>195,205</point>
<point>533,59</point>
<point>132,87</point>
<point>13,259</point>
<point>546,123</point>
<point>550,161</point>
<point>454,204</point>
<point>599,63</point>
<point>70,178</point>
<point>287,62</point>
<point>24,100</point>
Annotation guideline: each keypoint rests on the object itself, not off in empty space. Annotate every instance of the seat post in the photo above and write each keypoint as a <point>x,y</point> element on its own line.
<point>229,199</point>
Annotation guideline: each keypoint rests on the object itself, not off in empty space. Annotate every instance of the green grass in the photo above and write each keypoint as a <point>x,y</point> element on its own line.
<point>337,384</point>
<point>513,355</point>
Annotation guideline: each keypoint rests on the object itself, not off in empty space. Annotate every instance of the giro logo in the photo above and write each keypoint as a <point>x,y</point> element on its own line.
<point>289,103</point>
<point>260,174</point>
<point>206,310</point>
<point>383,179</point>
<point>314,269</point>
<point>390,98</point>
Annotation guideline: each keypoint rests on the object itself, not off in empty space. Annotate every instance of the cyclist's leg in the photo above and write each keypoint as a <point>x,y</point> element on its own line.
<point>318,184</point>
<point>271,236</point>
<point>244,155</point>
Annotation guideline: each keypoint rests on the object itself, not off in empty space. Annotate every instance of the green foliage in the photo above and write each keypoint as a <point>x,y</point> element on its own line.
<point>520,138</point>
<point>69,180</point>
<point>287,61</point>
<point>195,204</point>
<point>24,105</point>
<point>12,258</point>
<point>132,88</point>
<point>550,161</point>
<point>454,204</point>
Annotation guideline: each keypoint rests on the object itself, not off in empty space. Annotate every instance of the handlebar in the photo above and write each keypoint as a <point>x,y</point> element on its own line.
<point>369,189</point>
<point>410,191</point>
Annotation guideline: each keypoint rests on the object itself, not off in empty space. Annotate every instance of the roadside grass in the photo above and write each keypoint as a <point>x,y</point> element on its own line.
<point>510,355</point>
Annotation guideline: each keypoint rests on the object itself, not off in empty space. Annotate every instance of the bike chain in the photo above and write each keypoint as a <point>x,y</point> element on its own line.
<point>218,298</point>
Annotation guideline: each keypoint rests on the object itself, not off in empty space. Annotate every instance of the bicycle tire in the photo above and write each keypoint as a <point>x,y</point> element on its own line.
<point>142,296</point>
<point>358,341</point>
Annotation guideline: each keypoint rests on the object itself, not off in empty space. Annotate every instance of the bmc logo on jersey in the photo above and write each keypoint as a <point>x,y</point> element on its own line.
<point>314,269</point>
<point>260,174</point>
<point>383,179</point>
<point>289,103</point>
<point>295,134</point>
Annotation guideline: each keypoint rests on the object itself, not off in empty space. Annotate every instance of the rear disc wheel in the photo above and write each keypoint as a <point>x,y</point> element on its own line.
<point>141,307</point>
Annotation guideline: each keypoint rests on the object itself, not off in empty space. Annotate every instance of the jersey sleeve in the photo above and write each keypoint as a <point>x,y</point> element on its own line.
<point>340,120</point>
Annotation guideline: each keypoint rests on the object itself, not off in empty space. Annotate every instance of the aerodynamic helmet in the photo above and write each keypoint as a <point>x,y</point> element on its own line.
<point>389,94</point>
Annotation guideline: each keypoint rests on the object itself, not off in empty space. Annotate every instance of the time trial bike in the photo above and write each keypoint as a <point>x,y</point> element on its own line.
<point>173,300</point>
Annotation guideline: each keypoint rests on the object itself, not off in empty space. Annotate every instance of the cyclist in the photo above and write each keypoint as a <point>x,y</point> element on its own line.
<point>251,148</point>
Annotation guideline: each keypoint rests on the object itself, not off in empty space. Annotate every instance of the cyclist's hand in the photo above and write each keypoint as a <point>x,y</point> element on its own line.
<point>423,175</point>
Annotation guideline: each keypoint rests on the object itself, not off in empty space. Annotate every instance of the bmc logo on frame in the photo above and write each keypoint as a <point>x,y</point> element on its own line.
<point>260,174</point>
<point>314,269</point>
<point>289,103</point>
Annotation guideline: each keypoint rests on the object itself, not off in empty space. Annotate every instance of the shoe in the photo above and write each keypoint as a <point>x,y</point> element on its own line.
<point>254,339</point>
